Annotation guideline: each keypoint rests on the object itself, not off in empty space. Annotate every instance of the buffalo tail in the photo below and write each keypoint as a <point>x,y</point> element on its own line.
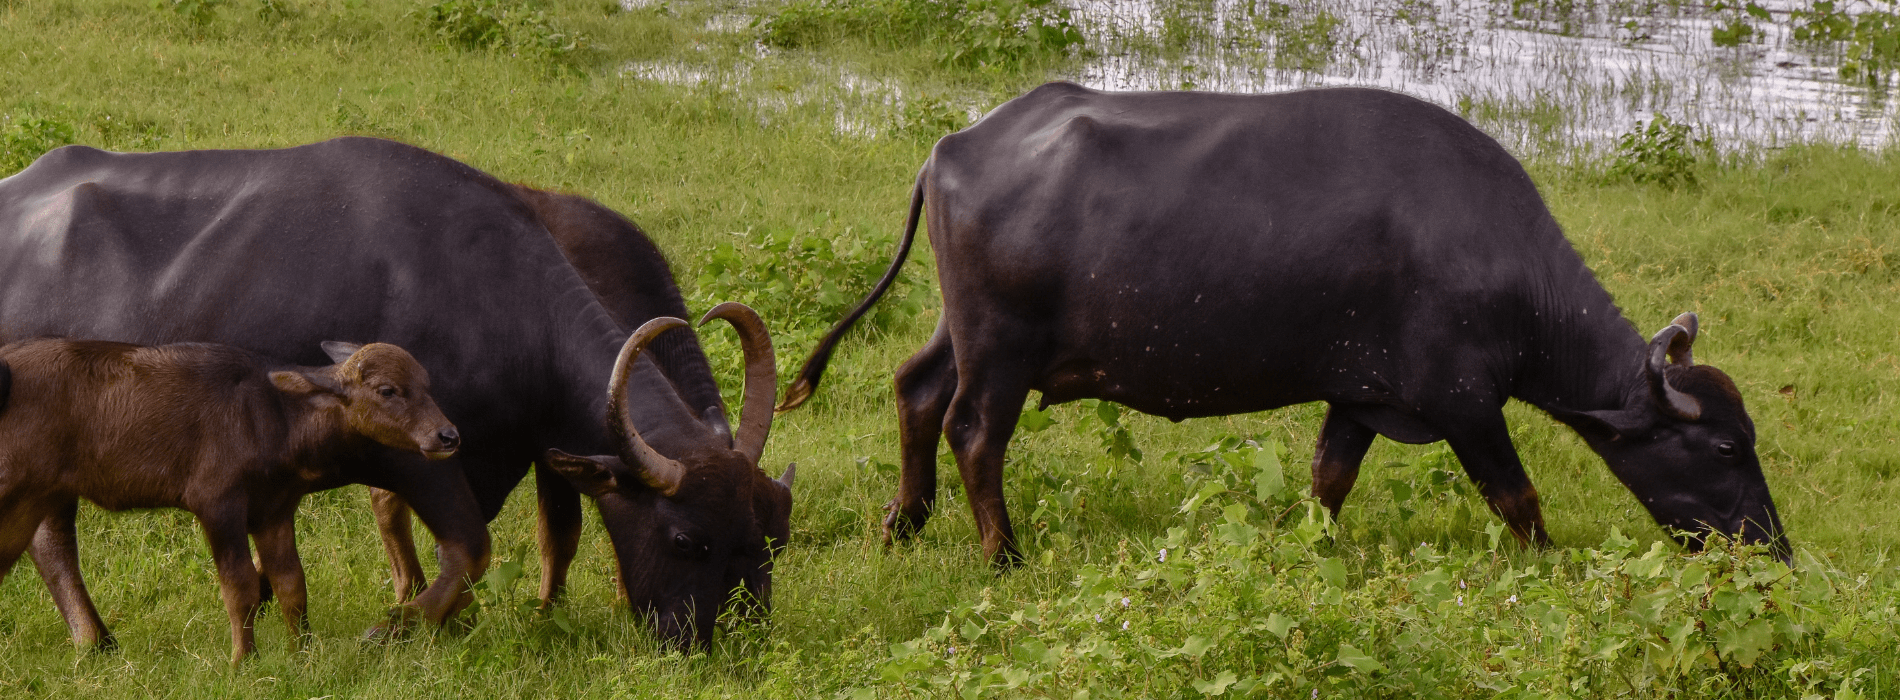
<point>807,380</point>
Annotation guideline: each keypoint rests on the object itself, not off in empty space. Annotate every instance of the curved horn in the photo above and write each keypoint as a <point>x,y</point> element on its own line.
<point>1679,348</point>
<point>761,376</point>
<point>659,473</point>
<point>1675,403</point>
<point>791,470</point>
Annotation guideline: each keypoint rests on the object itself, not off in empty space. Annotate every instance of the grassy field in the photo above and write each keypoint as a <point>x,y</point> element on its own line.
<point>767,179</point>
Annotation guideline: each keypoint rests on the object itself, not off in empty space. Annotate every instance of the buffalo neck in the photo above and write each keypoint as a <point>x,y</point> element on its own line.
<point>588,346</point>
<point>1587,356</point>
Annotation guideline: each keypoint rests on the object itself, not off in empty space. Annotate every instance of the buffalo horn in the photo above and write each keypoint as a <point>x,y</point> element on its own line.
<point>1671,340</point>
<point>659,473</point>
<point>761,376</point>
<point>1679,348</point>
<point>791,469</point>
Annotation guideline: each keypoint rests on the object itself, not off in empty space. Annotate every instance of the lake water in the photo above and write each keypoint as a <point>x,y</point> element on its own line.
<point>1557,77</point>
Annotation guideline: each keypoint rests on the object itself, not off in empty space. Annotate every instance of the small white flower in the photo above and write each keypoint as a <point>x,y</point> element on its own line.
<point>1164,554</point>
<point>1315,692</point>
<point>1124,602</point>
<point>1461,584</point>
<point>1511,599</point>
<point>1461,599</point>
<point>953,651</point>
<point>1124,624</point>
<point>1098,618</point>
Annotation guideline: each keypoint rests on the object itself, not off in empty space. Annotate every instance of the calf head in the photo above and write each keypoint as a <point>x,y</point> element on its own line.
<point>1686,447</point>
<point>384,395</point>
<point>696,531</point>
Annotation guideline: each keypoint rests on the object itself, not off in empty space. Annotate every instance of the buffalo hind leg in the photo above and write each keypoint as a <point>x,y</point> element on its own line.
<point>557,531</point>
<point>1342,446</point>
<point>925,384</point>
<point>981,420</point>
<point>1484,448</point>
<point>56,554</point>
<point>399,543</point>
<point>283,568</point>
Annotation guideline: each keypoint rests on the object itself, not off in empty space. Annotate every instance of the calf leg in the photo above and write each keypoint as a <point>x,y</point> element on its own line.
<point>1342,446</point>
<point>283,568</point>
<point>925,385</point>
<point>56,554</point>
<point>557,531</point>
<point>237,578</point>
<point>982,417</point>
<point>1484,448</point>
<point>19,519</point>
<point>399,543</point>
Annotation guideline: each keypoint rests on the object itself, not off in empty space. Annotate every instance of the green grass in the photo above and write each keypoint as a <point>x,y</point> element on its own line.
<point>1789,257</point>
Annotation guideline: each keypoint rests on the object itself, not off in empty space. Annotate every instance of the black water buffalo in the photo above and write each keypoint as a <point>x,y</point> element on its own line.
<point>1196,254</point>
<point>371,240</point>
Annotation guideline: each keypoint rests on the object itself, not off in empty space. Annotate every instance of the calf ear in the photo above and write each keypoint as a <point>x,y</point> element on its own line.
<point>306,382</point>
<point>340,351</point>
<point>593,476</point>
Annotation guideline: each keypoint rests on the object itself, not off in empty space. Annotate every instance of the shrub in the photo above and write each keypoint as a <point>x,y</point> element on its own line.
<point>24,139</point>
<point>1870,41</point>
<point>1660,152</point>
<point>510,26</point>
<point>967,33</point>
<point>1257,599</point>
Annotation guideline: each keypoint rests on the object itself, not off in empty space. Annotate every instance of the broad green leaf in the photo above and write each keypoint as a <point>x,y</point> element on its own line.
<point>1352,657</point>
<point>1035,421</point>
<point>1333,571</point>
<point>1280,625</point>
<point>1218,685</point>
<point>1268,478</point>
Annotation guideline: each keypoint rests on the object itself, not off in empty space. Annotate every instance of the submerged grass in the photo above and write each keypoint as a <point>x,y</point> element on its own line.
<point>1789,256</point>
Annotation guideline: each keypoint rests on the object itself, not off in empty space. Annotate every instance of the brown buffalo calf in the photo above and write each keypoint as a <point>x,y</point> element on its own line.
<point>200,427</point>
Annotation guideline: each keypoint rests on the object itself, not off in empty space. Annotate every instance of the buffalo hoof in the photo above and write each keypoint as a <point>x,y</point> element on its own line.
<point>400,621</point>
<point>106,645</point>
<point>900,524</point>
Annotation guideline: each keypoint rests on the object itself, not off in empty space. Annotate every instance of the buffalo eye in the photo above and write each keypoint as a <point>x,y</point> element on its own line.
<point>385,391</point>
<point>684,543</point>
<point>1726,449</point>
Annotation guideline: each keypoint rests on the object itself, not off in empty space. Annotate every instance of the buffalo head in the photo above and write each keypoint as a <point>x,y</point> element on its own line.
<point>697,530</point>
<point>1685,446</point>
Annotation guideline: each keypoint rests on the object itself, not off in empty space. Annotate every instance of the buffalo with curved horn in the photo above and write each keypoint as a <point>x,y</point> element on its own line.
<point>516,300</point>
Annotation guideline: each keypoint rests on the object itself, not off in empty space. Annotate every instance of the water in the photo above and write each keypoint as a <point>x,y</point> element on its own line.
<point>1568,76</point>
<point>1555,77</point>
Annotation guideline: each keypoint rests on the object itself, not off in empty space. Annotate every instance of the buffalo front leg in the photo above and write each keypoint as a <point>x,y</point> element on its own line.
<point>399,543</point>
<point>925,385</point>
<point>1484,448</point>
<point>1342,446</point>
<point>237,578</point>
<point>981,420</point>
<point>283,568</point>
<point>557,531</point>
<point>56,554</point>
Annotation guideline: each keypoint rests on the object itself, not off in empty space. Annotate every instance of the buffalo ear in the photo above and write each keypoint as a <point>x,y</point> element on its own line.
<point>1613,424</point>
<point>340,351</point>
<point>1671,346</point>
<point>593,476</point>
<point>305,382</point>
